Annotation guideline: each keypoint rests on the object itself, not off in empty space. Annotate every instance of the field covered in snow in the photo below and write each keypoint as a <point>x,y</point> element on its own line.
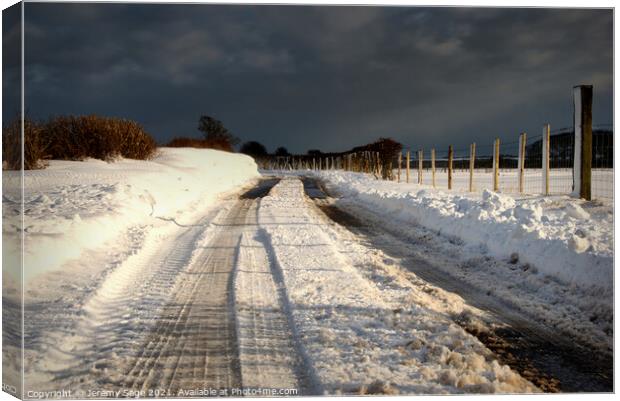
<point>560,180</point>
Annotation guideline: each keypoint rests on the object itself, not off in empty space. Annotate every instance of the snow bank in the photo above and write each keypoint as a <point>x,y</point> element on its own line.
<point>566,238</point>
<point>73,206</point>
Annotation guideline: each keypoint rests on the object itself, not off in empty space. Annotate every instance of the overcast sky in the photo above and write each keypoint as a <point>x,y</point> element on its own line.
<point>320,77</point>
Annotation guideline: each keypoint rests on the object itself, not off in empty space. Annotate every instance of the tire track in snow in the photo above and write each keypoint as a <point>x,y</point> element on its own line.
<point>195,342</point>
<point>117,314</point>
<point>270,353</point>
<point>361,336</point>
<point>226,326</point>
<point>166,319</point>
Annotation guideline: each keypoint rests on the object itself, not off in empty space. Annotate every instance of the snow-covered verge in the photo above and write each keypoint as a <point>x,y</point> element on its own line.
<point>361,336</point>
<point>74,207</point>
<point>562,237</point>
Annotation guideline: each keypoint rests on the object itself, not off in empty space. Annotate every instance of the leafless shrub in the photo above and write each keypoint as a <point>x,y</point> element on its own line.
<point>12,145</point>
<point>79,137</point>
<point>74,138</point>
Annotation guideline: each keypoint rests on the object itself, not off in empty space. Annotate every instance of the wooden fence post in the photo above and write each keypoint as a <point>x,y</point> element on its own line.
<point>582,165</point>
<point>408,163</point>
<point>472,161</point>
<point>522,141</point>
<point>420,166</point>
<point>546,140</point>
<point>400,162</point>
<point>433,166</point>
<point>496,165</point>
<point>450,155</point>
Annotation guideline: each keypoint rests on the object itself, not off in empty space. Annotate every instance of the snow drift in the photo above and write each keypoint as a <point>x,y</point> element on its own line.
<point>73,206</point>
<point>562,237</point>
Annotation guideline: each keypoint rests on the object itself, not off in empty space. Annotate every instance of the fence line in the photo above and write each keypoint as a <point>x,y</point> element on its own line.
<point>542,164</point>
<point>560,161</point>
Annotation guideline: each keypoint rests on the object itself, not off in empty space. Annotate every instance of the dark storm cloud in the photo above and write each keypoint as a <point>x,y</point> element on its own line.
<point>320,77</point>
<point>11,61</point>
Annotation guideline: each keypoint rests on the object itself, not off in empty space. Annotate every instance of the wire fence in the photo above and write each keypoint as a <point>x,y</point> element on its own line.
<point>577,160</point>
<point>515,167</point>
<point>510,179</point>
<point>603,163</point>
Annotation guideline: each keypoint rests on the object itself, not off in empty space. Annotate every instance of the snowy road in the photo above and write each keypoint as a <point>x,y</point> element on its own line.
<point>201,311</point>
<point>270,290</point>
<point>225,326</point>
<point>543,354</point>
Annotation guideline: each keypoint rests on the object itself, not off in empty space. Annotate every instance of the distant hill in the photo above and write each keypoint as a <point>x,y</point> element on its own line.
<point>562,154</point>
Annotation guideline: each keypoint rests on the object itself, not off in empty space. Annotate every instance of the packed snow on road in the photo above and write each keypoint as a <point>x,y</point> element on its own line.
<point>192,272</point>
<point>555,246</point>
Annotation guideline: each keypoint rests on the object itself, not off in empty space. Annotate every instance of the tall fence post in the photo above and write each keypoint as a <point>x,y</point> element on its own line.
<point>450,155</point>
<point>472,161</point>
<point>400,162</point>
<point>522,140</point>
<point>546,140</point>
<point>408,164</point>
<point>582,165</point>
<point>496,165</point>
<point>433,166</point>
<point>420,165</point>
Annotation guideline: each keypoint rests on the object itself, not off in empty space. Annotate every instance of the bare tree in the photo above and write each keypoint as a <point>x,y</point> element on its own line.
<point>215,132</point>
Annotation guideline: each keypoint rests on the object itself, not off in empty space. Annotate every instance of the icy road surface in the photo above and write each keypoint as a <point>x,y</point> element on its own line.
<point>263,291</point>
